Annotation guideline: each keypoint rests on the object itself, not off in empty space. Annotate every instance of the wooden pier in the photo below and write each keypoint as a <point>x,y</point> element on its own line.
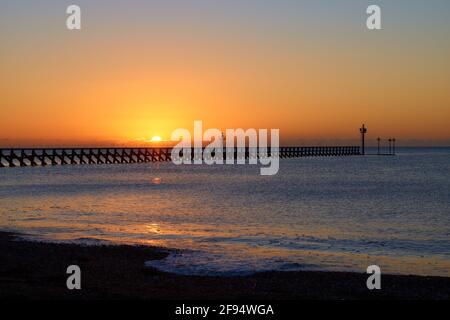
<point>76,156</point>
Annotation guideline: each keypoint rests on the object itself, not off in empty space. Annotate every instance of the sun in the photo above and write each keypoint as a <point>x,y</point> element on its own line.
<point>155,139</point>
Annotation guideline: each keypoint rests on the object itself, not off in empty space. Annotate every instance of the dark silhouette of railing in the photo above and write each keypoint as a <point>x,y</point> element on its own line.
<point>75,156</point>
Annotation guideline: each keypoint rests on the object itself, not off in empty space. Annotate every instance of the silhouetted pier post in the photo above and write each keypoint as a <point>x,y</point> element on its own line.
<point>390,146</point>
<point>393,146</point>
<point>363,131</point>
<point>378,141</point>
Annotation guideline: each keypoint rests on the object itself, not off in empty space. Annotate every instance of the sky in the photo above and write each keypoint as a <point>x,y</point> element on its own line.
<point>139,69</point>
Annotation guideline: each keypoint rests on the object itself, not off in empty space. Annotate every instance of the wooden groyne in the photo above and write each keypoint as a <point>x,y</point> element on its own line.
<point>77,156</point>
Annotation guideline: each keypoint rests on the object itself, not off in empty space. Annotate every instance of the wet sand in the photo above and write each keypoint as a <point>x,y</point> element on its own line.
<point>36,270</point>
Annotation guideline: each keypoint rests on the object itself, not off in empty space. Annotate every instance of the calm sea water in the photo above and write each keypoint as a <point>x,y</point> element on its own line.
<point>341,213</point>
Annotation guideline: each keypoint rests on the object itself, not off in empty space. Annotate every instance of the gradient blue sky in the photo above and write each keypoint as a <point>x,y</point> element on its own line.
<point>144,68</point>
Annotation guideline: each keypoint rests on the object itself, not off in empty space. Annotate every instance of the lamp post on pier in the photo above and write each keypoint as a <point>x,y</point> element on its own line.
<point>363,131</point>
<point>378,140</point>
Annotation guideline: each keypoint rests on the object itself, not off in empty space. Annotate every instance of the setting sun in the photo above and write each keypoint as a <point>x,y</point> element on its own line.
<point>155,139</point>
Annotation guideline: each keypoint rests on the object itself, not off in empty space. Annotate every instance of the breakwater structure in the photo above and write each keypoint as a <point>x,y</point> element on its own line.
<point>25,157</point>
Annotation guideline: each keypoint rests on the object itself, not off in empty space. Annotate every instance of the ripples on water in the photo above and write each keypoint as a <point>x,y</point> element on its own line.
<point>315,214</point>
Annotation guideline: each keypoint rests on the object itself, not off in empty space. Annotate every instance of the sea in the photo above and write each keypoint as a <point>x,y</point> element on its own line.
<point>317,213</point>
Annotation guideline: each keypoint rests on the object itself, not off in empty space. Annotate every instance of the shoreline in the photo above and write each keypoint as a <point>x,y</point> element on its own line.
<point>37,271</point>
